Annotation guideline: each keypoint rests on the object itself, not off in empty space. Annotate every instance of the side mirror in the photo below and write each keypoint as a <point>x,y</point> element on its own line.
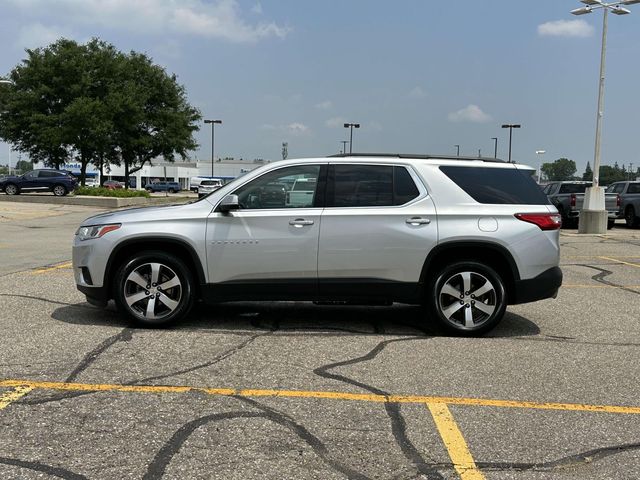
<point>228,203</point>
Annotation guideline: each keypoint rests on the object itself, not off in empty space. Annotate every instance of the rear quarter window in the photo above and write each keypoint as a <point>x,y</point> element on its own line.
<point>497,185</point>
<point>633,188</point>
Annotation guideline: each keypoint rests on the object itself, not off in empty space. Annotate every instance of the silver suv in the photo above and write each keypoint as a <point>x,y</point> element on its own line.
<point>465,237</point>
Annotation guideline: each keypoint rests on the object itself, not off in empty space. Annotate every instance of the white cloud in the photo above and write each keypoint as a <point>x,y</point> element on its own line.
<point>335,122</point>
<point>220,19</point>
<point>417,92</point>
<point>470,113</point>
<point>257,9</point>
<point>565,28</point>
<point>326,105</point>
<point>37,35</point>
<point>295,128</point>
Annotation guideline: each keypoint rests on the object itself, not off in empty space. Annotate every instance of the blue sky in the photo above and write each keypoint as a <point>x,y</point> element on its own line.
<point>420,76</point>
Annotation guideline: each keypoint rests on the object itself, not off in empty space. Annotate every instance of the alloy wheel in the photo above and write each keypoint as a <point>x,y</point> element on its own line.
<point>11,190</point>
<point>467,299</point>
<point>152,291</point>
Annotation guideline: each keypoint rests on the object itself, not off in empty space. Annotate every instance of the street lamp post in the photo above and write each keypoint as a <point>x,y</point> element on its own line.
<point>540,152</point>
<point>351,126</point>
<point>6,81</point>
<point>593,217</point>
<point>344,146</point>
<point>213,138</point>
<point>457,150</point>
<point>511,126</point>
<point>495,147</point>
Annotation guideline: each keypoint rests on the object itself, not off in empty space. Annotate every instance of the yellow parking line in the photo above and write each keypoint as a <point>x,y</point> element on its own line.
<point>454,442</point>
<point>361,397</point>
<point>49,269</point>
<point>13,395</point>
<point>620,261</point>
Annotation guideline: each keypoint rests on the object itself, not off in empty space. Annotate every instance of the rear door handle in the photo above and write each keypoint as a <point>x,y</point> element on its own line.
<point>300,222</point>
<point>418,221</point>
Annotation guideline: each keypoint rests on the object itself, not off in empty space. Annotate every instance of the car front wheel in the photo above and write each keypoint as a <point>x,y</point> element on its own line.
<point>467,298</point>
<point>154,289</point>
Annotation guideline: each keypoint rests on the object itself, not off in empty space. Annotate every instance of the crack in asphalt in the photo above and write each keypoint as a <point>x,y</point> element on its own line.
<point>47,300</point>
<point>600,277</point>
<point>393,410</point>
<point>579,459</point>
<point>40,467</point>
<point>163,457</point>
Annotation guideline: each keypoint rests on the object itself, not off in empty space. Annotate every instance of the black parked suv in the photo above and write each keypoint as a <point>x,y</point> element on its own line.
<point>42,180</point>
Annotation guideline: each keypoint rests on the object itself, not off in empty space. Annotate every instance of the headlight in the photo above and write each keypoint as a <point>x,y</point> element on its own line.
<point>96,231</point>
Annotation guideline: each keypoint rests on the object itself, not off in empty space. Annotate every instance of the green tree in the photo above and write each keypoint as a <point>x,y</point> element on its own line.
<point>609,174</point>
<point>24,166</point>
<point>561,169</point>
<point>151,116</point>
<point>95,104</point>
<point>587,176</point>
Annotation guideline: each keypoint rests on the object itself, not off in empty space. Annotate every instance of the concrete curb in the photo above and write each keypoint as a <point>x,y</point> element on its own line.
<point>90,201</point>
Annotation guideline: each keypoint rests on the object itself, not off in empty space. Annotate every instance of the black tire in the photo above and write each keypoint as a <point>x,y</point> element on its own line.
<point>150,190</point>
<point>11,189</point>
<point>442,304</point>
<point>126,289</point>
<point>59,190</point>
<point>630,217</point>
<point>611,223</point>
<point>171,190</point>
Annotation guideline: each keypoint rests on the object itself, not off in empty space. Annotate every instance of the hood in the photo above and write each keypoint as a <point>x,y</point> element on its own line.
<point>143,214</point>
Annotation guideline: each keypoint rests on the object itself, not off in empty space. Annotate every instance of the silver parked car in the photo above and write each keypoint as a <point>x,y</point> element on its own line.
<point>465,237</point>
<point>208,186</point>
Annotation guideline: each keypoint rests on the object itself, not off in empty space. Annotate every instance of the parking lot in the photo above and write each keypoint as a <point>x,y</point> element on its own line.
<point>295,390</point>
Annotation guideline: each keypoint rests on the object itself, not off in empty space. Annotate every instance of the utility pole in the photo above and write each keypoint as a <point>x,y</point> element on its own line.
<point>344,146</point>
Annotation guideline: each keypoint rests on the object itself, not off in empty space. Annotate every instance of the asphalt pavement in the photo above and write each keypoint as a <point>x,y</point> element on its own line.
<point>281,390</point>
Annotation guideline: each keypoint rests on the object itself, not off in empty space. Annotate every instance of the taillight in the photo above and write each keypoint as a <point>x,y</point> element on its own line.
<point>572,200</point>
<point>546,221</point>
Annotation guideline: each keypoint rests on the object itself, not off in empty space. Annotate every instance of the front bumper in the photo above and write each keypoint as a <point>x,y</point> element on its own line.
<point>543,286</point>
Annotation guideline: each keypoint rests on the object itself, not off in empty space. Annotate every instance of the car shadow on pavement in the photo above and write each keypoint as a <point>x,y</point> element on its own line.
<point>298,318</point>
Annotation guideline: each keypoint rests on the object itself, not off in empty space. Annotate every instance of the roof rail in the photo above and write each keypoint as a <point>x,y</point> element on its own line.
<point>416,156</point>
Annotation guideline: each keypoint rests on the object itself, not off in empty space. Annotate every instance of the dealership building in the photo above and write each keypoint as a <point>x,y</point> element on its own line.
<point>179,171</point>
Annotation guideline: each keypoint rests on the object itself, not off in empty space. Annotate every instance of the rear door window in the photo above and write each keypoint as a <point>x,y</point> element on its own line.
<point>633,188</point>
<point>497,185</point>
<point>370,186</point>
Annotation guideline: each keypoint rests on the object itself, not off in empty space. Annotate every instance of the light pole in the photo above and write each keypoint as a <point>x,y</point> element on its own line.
<point>213,139</point>
<point>351,126</point>
<point>344,145</point>
<point>495,147</point>
<point>457,150</point>
<point>593,217</point>
<point>511,126</point>
<point>6,81</point>
<point>540,152</point>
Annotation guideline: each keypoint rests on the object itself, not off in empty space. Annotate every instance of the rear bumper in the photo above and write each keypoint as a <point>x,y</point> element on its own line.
<point>543,286</point>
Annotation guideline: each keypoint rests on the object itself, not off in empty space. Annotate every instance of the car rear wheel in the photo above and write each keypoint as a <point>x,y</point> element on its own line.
<point>154,289</point>
<point>467,298</point>
<point>630,217</point>
<point>59,190</point>
<point>11,189</point>
<point>171,190</point>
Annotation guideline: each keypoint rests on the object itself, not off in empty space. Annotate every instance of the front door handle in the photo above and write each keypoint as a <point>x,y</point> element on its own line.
<point>418,221</point>
<point>300,222</point>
